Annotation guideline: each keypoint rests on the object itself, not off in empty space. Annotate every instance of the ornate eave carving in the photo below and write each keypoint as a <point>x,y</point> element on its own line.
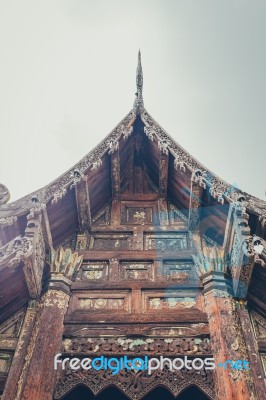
<point>28,250</point>
<point>257,207</point>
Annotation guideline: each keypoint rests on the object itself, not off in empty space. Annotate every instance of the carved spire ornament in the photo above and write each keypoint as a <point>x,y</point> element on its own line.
<point>138,104</point>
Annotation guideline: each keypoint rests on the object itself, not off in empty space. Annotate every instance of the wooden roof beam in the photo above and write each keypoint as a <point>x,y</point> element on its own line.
<point>163,174</point>
<point>83,201</point>
<point>196,189</point>
<point>163,186</point>
<point>115,174</point>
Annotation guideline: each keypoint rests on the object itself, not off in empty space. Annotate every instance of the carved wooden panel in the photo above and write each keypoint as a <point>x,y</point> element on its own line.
<point>108,241</point>
<point>160,301</point>
<point>179,272</point>
<point>141,271</point>
<point>101,301</point>
<point>163,241</point>
<point>133,214</point>
<point>93,271</point>
<point>137,215</point>
<point>147,330</point>
<point>102,304</point>
<point>135,385</point>
<point>123,345</point>
<point>180,330</point>
<point>94,331</point>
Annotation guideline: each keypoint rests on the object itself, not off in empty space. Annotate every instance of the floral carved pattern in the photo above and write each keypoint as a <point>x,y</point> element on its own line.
<point>136,384</point>
<point>123,345</point>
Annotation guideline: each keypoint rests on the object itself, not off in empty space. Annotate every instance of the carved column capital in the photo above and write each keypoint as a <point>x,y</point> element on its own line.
<point>211,265</point>
<point>218,283</point>
<point>64,267</point>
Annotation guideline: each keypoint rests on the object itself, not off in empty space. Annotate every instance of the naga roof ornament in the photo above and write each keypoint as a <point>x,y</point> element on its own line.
<point>4,194</point>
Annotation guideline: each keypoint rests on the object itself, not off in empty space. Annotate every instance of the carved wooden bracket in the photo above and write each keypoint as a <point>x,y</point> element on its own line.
<point>237,244</point>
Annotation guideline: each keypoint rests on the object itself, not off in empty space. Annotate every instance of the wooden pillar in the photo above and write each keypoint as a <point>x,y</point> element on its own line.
<point>226,340</point>
<point>32,370</point>
<point>17,366</point>
<point>45,343</point>
<point>255,363</point>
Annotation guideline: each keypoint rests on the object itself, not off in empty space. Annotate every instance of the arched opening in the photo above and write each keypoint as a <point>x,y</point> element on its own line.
<point>190,393</point>
<point>83,393</point>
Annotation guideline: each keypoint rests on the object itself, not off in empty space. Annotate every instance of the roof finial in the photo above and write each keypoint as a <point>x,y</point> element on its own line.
<point>138,104</point>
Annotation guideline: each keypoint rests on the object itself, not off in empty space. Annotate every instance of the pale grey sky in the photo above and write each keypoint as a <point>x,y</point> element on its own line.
<point>67,77</point>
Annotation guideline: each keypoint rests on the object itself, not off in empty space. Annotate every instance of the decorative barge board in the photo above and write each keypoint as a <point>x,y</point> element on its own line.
<point>137,250</point>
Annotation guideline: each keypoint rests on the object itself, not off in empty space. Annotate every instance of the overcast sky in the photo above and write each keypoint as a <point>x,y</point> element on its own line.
<point>67,77</point>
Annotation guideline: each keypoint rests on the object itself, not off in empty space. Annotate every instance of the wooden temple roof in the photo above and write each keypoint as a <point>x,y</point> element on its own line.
<point>138,160</point>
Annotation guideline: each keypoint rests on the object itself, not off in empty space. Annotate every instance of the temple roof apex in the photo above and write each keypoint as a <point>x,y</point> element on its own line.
<point>138,103</point>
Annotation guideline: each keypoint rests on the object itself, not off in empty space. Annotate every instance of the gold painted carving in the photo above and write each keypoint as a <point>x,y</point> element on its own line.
<point>56,298</point>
